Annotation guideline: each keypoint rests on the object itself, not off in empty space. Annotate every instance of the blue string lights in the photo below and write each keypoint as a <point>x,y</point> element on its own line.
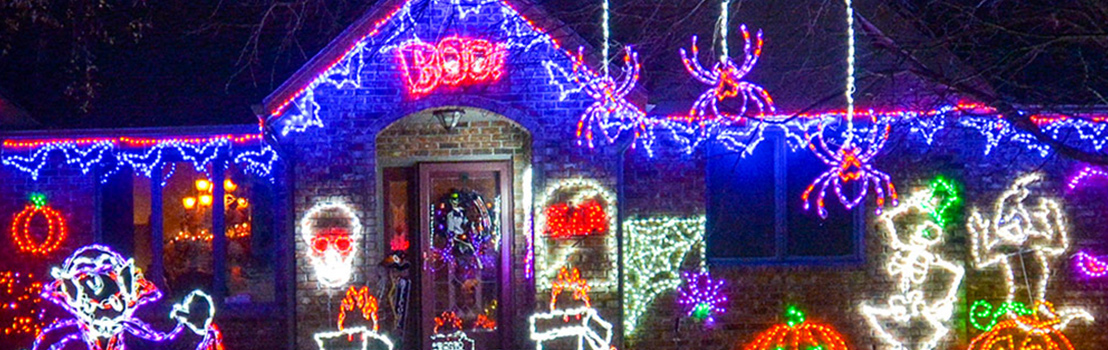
<point>146,156</point>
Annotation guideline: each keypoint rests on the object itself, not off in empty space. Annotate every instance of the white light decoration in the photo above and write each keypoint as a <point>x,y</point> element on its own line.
<point>655,250</point>
<point>926,283</point>
<point>584,324</point>
<point>359,335</point>
<point>332,259</point>
<point>549,260</point>
<point>1015,227</point>
<point>457,340</point>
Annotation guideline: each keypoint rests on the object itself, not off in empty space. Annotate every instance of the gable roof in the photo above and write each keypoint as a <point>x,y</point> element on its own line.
<point>370,24</point>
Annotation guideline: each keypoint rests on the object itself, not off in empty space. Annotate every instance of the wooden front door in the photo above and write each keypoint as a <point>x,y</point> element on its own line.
<point>466,232</point>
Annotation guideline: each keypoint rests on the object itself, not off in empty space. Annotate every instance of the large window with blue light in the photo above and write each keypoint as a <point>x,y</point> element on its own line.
<point>755,214</point>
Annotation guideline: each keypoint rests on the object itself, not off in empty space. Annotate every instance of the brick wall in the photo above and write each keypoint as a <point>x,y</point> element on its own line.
<point>70,193</point>
<point>758,294</point>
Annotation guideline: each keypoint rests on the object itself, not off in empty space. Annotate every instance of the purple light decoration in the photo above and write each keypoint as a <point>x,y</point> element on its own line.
<point>1090,266</point>
<point>1084,175</point>
<point>701,296</point>
<point>102,290</point>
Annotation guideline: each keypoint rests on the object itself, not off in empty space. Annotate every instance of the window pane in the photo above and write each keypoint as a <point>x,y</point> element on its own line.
<point>251,239</point>
<point>808,235</point>
<point>186,210</point>
<point>740,203</point>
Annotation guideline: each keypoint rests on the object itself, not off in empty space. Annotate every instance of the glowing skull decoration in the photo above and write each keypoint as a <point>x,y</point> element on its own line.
<point>332,231</point>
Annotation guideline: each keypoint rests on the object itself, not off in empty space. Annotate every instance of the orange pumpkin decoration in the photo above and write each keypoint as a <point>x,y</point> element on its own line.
<point>21,227</point>
<point>1024,333</point>
<point>798,334</point>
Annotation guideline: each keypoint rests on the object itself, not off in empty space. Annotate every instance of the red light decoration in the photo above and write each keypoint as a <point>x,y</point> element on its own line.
<point>132,141</point>
<point>21,227</point>
<point>359,300</point>
<point>454,61</point>
<point>1025,333</point>
<point>570,279</point>
<point>798,334</point>
<point>19,313</point>
<point>564,221</point>
<point>448,319</point>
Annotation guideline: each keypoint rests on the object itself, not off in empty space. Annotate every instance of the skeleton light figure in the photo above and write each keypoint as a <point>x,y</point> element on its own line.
<point>331,230</point>
<point>102,290</point>
<point>611,112</point>
<point>927,284</point>
<point>849,163</point>
<point>726,79</point>
<point>1015,228</point>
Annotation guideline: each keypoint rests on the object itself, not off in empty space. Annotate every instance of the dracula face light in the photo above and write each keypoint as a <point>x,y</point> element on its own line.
<point>331,231</point>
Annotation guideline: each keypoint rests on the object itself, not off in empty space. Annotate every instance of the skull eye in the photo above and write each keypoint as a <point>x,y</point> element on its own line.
<point>342,244</point>
<point>319,244</point>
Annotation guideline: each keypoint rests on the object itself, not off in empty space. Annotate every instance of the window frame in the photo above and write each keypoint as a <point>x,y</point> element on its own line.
<point>156,272</point>
<point>780,257</point>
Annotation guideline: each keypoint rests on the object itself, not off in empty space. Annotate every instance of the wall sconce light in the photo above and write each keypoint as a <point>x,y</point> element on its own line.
<point>449,117</point>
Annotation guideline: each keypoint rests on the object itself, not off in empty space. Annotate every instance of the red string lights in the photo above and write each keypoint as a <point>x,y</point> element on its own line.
<point>570,279</point>
<point>454,61</point>
<point>359,300</point>
<point>21,227</point>
<point>448,319</point>
<point>1025,333</point>
<point>564,221</point>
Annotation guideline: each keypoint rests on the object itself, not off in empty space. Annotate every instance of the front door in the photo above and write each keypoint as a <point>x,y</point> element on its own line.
<point>466,230</point>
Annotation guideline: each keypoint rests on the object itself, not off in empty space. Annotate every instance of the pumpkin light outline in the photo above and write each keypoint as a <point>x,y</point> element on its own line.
<point>1033,328</point>
<point>798,334</point>
<point>56,229</point>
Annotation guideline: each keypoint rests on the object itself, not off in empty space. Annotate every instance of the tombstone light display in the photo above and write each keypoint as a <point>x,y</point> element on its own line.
<point>331,230</point>
<point>102,290</point>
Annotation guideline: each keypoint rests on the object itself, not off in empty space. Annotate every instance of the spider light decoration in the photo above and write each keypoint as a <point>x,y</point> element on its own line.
<point>611,113</point>
<point>102,291</point>
<point>726,79</point>
<point>851,162</point>
<point>702,296</point>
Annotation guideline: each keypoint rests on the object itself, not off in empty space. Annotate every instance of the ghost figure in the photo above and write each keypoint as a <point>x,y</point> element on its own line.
<point>926,284</point>
<point>102,290</point>
<point>332,232</point>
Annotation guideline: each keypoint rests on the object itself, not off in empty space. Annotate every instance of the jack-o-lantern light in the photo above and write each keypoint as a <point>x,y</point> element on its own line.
<point>1042,330</point>
<point>798,334</point>
<point>332,232</point>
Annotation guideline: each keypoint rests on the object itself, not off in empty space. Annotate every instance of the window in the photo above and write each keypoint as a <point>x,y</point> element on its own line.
<point>171,233</point>
<point>755,214</point>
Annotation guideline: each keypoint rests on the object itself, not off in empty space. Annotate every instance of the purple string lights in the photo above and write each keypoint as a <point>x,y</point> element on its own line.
<point>1085,175</point>
<point>702,296</point>
<point>1090,266</point>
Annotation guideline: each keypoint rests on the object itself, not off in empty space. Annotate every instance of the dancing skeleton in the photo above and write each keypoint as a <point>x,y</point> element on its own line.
<point>913,264</point>
<point>1016,228</point>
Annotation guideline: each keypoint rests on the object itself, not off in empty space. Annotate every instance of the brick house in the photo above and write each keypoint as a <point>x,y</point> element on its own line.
<point>432,154</point>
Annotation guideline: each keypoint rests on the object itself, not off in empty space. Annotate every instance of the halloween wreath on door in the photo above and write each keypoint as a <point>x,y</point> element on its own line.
<point>463,233</point>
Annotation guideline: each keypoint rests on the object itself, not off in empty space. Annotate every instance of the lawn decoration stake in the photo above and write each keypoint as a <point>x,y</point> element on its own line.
<point>917,268</point>
<point>102,291</point>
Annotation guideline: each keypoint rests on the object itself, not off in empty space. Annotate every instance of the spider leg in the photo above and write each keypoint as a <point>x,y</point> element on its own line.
<point>850,203</point>
<point>631,73</point>
<point>702,102</point>
<point>751,56</point>
<point>808,191</point>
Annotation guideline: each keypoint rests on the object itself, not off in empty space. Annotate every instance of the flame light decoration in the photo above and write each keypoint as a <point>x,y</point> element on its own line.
<point>581,324</point>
